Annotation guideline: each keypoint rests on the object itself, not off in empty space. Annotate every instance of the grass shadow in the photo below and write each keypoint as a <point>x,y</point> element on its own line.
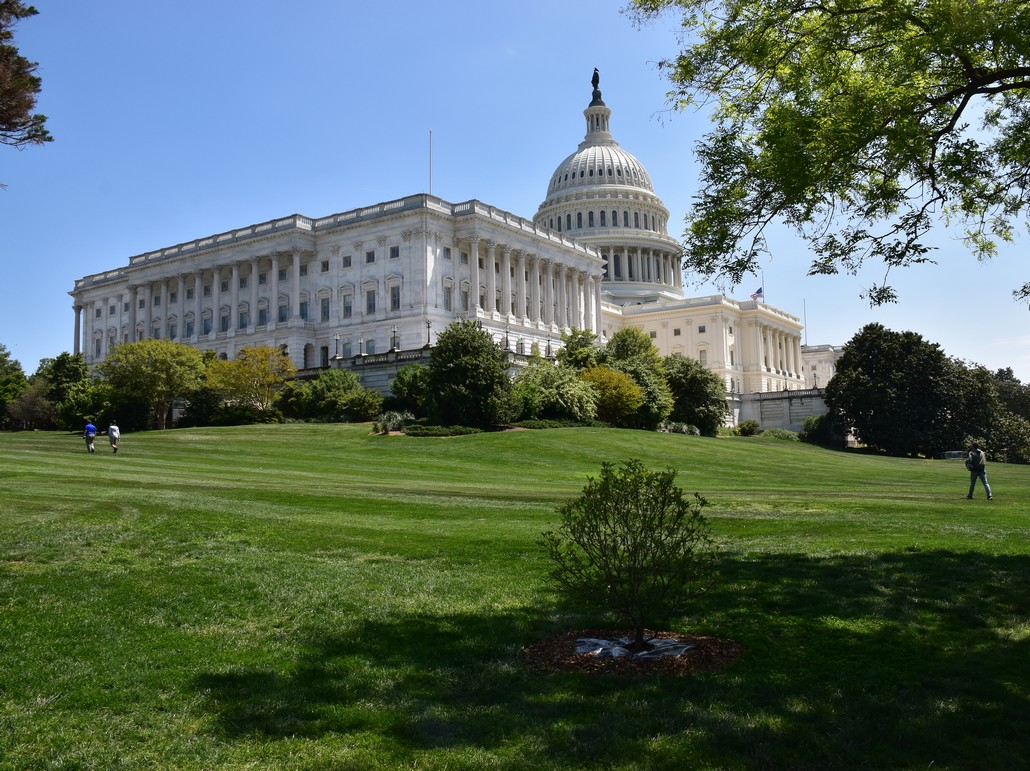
<point>884,661</point>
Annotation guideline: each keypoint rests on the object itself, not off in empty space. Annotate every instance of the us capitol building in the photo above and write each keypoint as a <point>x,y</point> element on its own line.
<point>384,279</point>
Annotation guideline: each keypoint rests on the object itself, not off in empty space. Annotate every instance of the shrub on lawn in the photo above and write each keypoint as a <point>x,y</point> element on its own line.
<point>441,430</point>
<point>749,428</point>
<point>634,545</point>
<point>780,433</point>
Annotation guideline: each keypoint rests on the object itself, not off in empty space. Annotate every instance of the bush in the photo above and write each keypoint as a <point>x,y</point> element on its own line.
<point>749,428</point>
<point>441,430</point>
<point>780,433</point>
<point>543,424</point>
<point>632,544</point>
<point>672,427</point>
<point>392,421</point>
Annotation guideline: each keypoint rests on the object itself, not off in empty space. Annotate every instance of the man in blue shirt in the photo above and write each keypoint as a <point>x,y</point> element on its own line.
<point>90,433</point>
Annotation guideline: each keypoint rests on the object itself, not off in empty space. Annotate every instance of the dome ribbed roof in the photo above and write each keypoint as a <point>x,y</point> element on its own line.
<point>599,163</point>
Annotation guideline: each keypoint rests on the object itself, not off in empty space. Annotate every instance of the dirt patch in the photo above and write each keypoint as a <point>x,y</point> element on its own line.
<point>558,654</point>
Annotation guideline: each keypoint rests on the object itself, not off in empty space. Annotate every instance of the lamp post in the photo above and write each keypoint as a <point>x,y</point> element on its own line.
<point>393,340</point>
<point>507,345</point>
<point>429,328</point>
<point>361,346</point>
<point>336,356</point>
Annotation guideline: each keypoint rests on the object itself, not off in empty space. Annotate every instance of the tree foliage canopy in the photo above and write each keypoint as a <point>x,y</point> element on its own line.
<point>253,377</point>
<point>860,125</point>
<point>699,395</point>
<point>469,376</point>
<point>155,371</point>
<point>19,84</point>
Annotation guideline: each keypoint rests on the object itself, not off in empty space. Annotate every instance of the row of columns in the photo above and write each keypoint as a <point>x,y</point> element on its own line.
<point>143,294</point>
<point>647,265</point>
<point>557,294</point>
<point>785,354</point>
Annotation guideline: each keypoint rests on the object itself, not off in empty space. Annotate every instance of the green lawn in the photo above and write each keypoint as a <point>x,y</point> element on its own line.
<point>314,597</point>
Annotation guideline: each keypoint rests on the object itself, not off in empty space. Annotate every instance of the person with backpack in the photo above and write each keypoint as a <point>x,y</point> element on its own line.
<point>976,462</point>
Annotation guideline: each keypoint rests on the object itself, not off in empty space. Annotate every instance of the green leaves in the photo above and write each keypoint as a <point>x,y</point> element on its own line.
<point>860,126</point>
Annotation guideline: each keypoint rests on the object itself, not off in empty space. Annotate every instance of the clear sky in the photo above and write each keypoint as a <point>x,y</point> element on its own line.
<point>174,121</point>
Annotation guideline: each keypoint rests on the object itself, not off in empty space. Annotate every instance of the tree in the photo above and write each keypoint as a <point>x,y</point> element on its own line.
<point>631,543</point>
<point>699,395</point>
<point>618,396</point>
<point>631,351</point>
<point>579,349</point>
<point>899,393</point>
<point>253,377</point>
<point>155,371</point>
<point>411,389</point>
<point>61,373</point>
<point>858,125</point>
<point>553,391</point>
<point>18,84</point>
<point>12,381</point>
<point>31,408</point>
<point>86,399</point>
<point>469,376</point>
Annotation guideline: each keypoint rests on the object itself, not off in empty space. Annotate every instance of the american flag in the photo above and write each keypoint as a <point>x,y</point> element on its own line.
<point>757,294</point>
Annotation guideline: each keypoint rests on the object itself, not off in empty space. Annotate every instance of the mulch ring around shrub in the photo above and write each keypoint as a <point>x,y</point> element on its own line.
<point>558,654</point>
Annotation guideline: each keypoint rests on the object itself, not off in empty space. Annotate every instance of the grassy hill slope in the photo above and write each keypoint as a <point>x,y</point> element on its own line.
<point>307,596</point>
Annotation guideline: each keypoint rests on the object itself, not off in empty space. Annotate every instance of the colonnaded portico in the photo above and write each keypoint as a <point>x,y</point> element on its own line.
<point>378,277</point>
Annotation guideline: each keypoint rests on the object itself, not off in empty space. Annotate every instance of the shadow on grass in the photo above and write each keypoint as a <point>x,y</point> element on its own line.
<point>889,661</point>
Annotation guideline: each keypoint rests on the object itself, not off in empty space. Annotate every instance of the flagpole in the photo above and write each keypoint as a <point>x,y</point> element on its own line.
<point>430,161</point>
<point>763,286</point>
<point>804,314</point>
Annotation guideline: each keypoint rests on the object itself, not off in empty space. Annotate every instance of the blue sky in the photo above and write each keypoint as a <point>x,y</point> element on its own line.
<point>174,121</point>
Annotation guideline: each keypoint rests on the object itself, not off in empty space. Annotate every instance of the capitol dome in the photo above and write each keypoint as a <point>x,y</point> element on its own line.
<point>603,196</point>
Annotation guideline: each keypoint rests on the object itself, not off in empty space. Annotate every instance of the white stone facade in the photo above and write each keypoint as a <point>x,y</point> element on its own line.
<point>381,277</point>
<point>820,363</point>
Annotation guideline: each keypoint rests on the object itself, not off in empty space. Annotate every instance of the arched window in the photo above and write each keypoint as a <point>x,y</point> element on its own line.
<point>636,219</point>
<point>603,223</point>
<point>615,219</point>
<point>579,220</point>
<point>568,222</point>
<point>625,219</point>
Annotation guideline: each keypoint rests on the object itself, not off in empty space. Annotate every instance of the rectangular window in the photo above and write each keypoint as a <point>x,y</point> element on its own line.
<point>172,329</point>
<point>223,323</point>
<point>142,303</point>
<point>223,287</point>
<point>244,319</point>
<point>654,335</point>
<point>157,301</point>
<point>125,307</point>
<point>702,357</point>
<point>395,298</point>
<point>189,329</point>
<point>243,282</point>
<point>189,294</point>
<point>304,309</point>
<point>464,259</point>
<point>112,310</point>
<point>262,316</point>
<point>370,257</point>
<point>676,332</point>
<point>348,306</point>
<point>370,302</point>
<point>700,329</point>
<point>207,326</point>
<point>304,269</point>
<point>325,266</point>
<point>346,260</point>
<point>447,301</point>
<point>395,252</point>
<point>173,297</point>
<point>262,279</point>
<point>283,313</point>
<point>731,329</point>
<point>465,299</point>
<point>207,290</point>
<point>98,313</point>
<point>324,309</point>
<point>282,274</point>
<point>447,252</point>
